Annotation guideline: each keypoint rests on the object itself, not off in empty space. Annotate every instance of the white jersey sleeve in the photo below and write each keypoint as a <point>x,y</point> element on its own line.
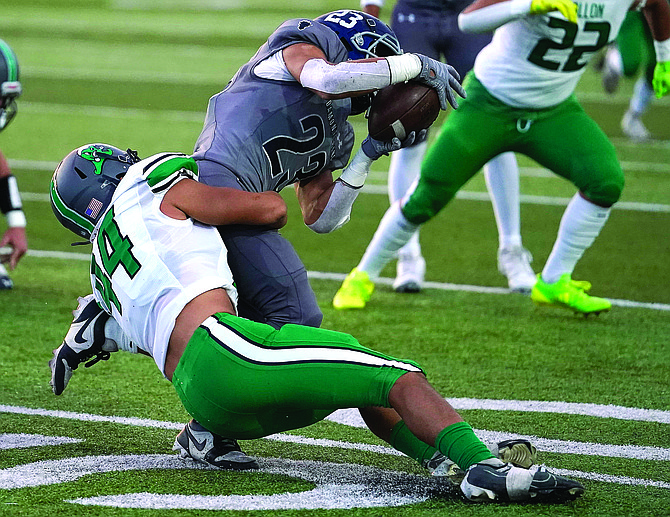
<point>536,61</point>
<point>147,266</point>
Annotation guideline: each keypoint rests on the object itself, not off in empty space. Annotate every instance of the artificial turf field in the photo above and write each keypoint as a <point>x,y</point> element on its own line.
<point>594,393</point>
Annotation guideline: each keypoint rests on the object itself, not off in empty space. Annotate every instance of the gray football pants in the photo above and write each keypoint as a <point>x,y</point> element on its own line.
<point>271,279</point>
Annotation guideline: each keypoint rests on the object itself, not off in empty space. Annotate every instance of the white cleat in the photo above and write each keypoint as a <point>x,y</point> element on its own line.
<point>633,128</point>
<point>410,273</point>
<point>514,263</point>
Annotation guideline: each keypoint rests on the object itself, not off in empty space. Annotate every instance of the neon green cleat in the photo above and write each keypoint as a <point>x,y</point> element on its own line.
<point>355,291</point>
<point>570,294</point>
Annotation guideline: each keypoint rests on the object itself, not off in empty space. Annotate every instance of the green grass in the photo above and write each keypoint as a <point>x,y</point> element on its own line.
<point>139,74</point>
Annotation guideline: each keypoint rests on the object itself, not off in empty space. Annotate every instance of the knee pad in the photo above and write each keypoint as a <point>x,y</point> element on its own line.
<point>606,192</point>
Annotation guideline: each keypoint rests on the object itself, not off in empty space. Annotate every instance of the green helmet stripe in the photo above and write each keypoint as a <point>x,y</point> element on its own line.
<point>10,59</point>
<point>68,213</point>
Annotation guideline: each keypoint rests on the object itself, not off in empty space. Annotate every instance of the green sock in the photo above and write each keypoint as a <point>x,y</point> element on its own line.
<point>403,440</point>
<point>460,444</point>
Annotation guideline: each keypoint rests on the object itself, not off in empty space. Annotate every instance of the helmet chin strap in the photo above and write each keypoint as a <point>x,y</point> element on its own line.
<point>134,158</point>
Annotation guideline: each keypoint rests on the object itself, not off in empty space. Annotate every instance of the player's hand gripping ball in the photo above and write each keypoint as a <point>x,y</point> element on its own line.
<point>401,108</point>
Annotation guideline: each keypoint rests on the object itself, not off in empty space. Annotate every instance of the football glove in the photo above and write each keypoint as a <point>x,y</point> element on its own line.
<point>375,149</point>
<point>443,78</point>
<point>85,340</point>
<point>566,7</point>
<point>343,141</point>
<point>661,80</point>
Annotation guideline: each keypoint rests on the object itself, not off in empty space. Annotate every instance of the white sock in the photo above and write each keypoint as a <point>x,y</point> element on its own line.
<point>116,339</point>
<point>580,225</point>
<point>393,232</point>
<point>642,96</point>
<point>614,60</point>
<point>403,172</point>
<point>502,181</point>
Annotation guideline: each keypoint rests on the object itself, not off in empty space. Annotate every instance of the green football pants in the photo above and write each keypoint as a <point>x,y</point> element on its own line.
<point>242,379</point>
<point>636,46</point>
<point>563,138</point>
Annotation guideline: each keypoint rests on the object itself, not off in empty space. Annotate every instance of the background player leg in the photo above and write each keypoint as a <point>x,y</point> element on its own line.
<point>502,180</point>
<point>404,170</point>
<point>631,123</point>
<point>588,159</point>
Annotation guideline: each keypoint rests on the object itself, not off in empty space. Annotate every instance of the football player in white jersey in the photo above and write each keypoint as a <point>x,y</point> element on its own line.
<point>520,98</point>
<point>160,271</point>
<point>430,27</point>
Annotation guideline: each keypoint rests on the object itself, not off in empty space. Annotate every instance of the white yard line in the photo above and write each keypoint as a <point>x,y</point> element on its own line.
<point>535,200</point>
<point>339,277</point>
<point>41,108</point>
<point>468,196</point>
<point>483,289</point>
<point>543,444</point>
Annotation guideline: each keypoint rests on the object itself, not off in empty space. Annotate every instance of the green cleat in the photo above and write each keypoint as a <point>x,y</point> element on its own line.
<point>355,291</point>
<point>570,294</point>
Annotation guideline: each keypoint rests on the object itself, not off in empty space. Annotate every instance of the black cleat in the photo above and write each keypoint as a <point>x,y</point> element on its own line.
<point>487,481</point>
<point>197,443</point>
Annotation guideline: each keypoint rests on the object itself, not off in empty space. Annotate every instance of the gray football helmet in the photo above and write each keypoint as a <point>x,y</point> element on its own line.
<point>83,184</point>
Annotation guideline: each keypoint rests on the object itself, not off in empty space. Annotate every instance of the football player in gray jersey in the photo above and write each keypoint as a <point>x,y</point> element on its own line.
<point>282,120</point>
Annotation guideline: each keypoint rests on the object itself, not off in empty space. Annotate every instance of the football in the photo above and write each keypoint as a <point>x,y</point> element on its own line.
<point>401,108</point>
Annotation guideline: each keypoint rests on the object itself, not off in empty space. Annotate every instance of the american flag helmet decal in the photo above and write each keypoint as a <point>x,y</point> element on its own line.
<point>94,208</point>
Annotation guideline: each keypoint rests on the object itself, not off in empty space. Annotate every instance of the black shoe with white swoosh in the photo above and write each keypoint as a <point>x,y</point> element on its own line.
<point>85,340</point>
<point>197,443</point>
<point>493,480</point>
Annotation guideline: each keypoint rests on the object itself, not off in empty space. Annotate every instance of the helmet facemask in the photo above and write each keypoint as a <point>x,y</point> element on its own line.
<point>371,44</point>
<point>9,91</point>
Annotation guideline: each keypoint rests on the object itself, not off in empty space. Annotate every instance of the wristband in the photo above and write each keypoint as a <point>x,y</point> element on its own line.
<point>16,219</point>
<point>662,49</point>
<point>403,67</point>
<point>356,172</point>
<point>9,194</point>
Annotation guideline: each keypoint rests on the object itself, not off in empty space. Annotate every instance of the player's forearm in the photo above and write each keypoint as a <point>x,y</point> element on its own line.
<point>345,78</point>
<point>326,205</point>
<point>486,16</point>
<point>337,210</point>
<point>351,77</point>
